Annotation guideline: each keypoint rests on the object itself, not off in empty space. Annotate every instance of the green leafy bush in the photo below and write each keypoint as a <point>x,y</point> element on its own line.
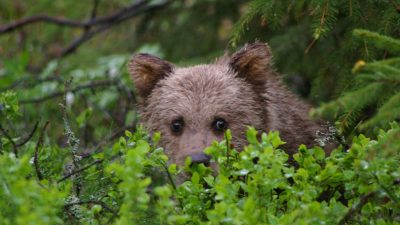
<point>131,183</point>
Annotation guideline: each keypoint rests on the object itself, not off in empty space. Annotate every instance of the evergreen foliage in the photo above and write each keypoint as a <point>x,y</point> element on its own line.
<point>353,55</point>
<point>378,87</point>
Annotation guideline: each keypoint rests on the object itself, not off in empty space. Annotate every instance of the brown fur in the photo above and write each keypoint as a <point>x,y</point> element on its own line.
<point>242,89</point>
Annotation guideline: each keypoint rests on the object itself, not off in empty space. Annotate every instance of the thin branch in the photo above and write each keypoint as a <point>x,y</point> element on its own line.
<point>103,205</point>
<point>396,6</point>
<point>91,85</point>
<point>75,43</point>
<point>40,18</point>
<point>72,141</point>
<point>93,14</point>
<point>29,136</point>
<point>356,208</point>
<point>115,134</point>
<point>66,22</point>
<point>10,140</point>
<point>228,149</point>
<point>86,36</point>
<point>79,170</point>
<point>36,155</point>
<point>100,24</point>
<point>28,82</point>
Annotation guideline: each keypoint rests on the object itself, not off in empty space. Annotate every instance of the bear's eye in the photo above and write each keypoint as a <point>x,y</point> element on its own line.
<point>219,125</point>
<point>177,126</point>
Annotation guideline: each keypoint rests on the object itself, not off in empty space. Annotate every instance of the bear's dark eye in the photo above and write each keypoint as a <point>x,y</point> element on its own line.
<point>177,126</point>
<point>219,125</point>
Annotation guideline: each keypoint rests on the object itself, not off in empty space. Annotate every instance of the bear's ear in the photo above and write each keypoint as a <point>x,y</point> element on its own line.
<point>252,63</point>
<point>146,70</point>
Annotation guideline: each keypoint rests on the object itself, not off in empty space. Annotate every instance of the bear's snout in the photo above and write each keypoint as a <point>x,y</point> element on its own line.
<point>192,144</point>
<point>200,158</point>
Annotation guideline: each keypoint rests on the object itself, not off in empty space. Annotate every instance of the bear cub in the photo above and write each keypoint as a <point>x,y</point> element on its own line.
<point>193,106</point>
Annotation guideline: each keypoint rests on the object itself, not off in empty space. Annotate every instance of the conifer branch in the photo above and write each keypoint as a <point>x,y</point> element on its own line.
<point>380,41</point>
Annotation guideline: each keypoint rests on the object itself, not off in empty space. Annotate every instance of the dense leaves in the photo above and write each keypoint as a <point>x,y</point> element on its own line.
<point>254,186</point>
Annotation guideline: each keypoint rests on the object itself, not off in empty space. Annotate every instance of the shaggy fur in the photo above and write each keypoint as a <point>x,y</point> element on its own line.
<point>242,89</point>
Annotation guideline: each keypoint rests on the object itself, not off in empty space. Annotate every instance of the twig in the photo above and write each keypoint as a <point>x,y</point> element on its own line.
<point>94,84</point>
<point>115,214</point>
<point>86,36</point>
<point>228,149</point>
<point>356,208</point>
<point>117,133</point>
<point>72,141</point>
<point>168,174</point>
<point>29,136</point>
<point>103,205</point>
<point>93,14</point>
<point>396,6</point>
<point>41,18</point>
<point>28,82</point>
<point>79,170</point>
<point>74,45</point>
<point>103,23</point>
<point>36,156</point>
<point>10,140</point>
<point>67,22</point>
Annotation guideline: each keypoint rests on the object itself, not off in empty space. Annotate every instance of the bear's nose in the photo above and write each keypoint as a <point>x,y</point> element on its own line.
<point>200,158</point>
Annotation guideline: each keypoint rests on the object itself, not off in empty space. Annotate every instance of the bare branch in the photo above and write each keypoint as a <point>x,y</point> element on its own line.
<point>103,205</point>
<point>86,36</point>
<point>30,135</point>
<point>91,28</point>
<point>29,81</point>
<point>36,155</point>
<point>10,140</point>
<point>79,170</point>
<point>115,134</point>
<point>95,84</point>
<point>356,208</point>
<point>39,18</point>
<point>67,22</point>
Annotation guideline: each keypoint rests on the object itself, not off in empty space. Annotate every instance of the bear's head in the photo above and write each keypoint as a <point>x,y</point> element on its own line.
<point>193,106</point>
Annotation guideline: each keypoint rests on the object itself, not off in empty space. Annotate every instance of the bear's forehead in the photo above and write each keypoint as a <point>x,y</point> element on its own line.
<point>201,93</point>
<point>203,84</point>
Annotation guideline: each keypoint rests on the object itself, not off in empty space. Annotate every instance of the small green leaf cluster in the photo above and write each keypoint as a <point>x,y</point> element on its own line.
<point>23,200</point>
<point>9,108</point>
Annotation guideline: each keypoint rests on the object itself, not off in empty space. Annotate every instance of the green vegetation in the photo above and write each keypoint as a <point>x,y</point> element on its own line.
<point>255,186</point>
<point>72,152</point>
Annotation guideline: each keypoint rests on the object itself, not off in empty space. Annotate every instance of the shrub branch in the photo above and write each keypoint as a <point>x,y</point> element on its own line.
<point>39,144</point>
<point>9,138</point>
<point>30,135</point>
